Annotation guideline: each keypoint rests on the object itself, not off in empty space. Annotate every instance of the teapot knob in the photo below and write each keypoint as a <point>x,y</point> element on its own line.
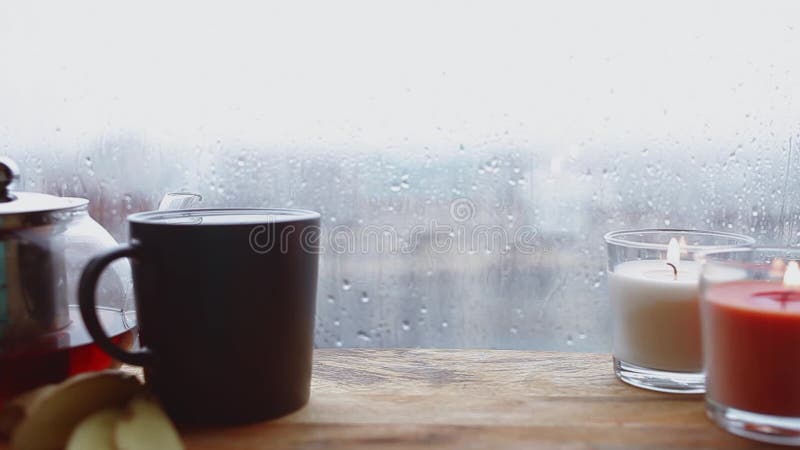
<point>9,173</point>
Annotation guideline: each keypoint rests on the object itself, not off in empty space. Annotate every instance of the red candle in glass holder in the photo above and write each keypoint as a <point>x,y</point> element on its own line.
<point>752,351</point>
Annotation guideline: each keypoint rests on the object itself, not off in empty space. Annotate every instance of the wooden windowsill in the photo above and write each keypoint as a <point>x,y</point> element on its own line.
<point>390,398</point>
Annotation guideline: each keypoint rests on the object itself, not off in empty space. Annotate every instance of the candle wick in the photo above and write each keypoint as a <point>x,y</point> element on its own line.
<point>674,271</point>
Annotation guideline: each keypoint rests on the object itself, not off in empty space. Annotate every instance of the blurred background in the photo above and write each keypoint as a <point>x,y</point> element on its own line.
<point>570,119</point>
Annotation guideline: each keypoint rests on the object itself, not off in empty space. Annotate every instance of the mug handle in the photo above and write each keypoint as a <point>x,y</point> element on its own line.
<point>86,298</point>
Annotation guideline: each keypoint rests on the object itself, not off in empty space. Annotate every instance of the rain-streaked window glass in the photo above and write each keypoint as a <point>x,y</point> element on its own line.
<point>467,157</point>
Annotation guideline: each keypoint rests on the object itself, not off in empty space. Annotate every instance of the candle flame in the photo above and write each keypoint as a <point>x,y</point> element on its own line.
<point>673,252</point>
<point>778,268</point>
<point>791,278</point>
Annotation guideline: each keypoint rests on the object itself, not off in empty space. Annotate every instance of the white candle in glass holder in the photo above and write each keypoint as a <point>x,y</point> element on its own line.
<point>656,312</point>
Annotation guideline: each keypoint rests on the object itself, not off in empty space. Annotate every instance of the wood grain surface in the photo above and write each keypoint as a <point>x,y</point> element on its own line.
<point>468,399</point>
<point>456,399</point>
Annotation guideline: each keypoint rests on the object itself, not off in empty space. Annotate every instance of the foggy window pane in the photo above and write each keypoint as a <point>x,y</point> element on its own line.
<point>467,158</point>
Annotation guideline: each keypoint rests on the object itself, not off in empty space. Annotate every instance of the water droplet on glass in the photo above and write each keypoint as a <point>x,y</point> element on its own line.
<point>346,285</point>
<point>364,298</point>
<point>331,299</point>
<point>513,330</point>
<point>423,310</point>
<point>363,336</point>
<point>338,343</point>
<point>570,341</point>
<point>445,324</point>
<point>406,326</point>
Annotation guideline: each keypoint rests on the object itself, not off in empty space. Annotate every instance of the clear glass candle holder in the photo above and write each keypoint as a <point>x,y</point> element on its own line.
<point>750,308</point>
<point>653,288</point>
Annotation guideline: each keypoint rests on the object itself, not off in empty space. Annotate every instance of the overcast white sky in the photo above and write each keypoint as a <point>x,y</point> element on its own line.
<point>370,73</point>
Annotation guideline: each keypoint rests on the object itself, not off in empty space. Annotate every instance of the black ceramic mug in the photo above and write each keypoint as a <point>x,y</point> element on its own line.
<point>225,302</point>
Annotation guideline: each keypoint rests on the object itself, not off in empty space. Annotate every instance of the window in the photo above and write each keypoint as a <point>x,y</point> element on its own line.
<point>417,124</point>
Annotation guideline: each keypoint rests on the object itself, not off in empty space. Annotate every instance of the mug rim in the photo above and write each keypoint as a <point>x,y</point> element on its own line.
<point>151,217</point>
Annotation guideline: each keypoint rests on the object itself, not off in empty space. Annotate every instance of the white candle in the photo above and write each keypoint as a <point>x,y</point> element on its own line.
<point>655,312</point>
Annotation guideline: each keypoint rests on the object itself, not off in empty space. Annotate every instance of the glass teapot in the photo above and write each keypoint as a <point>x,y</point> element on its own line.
<point>45,241</point>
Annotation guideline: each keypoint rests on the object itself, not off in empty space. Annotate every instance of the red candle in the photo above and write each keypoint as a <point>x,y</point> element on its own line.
<point>752,346</point>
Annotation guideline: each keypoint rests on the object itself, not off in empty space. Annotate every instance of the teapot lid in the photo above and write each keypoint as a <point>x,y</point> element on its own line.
<point>21,209</point>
